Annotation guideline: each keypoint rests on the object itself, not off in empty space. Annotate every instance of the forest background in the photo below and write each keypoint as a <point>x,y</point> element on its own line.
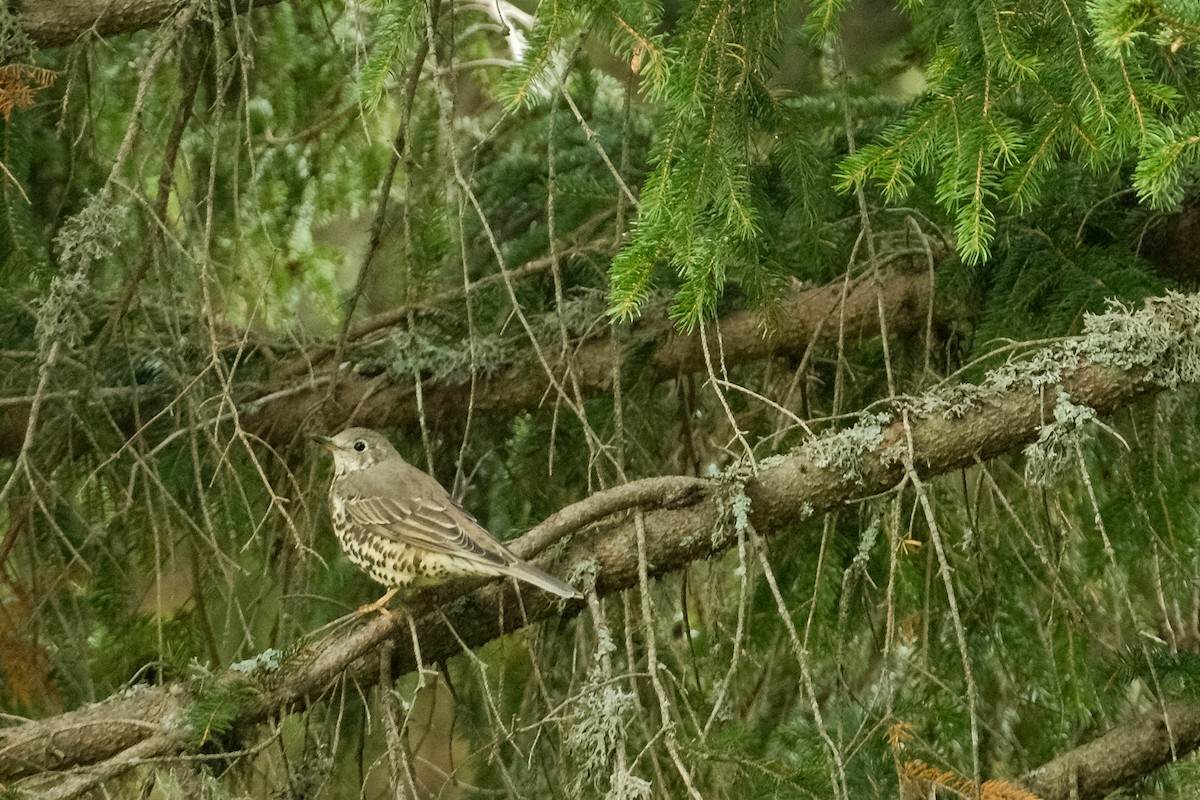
<point>845,353</point>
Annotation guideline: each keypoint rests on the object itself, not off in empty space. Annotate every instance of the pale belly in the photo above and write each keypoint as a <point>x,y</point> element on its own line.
<point>399,565</point>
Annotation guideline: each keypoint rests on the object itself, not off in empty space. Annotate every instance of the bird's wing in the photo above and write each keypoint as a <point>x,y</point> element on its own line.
<point>440,526</point>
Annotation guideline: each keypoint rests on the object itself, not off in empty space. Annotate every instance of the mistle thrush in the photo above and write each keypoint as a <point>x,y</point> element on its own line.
<point>404,529</point>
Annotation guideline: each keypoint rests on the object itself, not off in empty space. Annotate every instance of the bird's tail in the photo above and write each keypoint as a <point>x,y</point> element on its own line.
<point>542,580</point>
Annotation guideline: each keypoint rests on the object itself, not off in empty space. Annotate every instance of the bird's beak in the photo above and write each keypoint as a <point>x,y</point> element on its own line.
<point>324,441</point>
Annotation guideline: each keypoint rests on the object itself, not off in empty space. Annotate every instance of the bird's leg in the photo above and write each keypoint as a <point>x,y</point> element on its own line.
<point>379,605</point>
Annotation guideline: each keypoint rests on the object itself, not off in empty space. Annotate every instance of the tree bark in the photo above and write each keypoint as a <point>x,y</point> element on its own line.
<point>56,23</point>
<point>1125,753</point>
<point>805,317</point>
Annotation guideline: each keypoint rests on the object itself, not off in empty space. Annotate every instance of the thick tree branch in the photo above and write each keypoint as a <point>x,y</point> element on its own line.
<point>1123,754</point>
<point>805,317</point>
<point>55,23</point>
<point>1122,357</point>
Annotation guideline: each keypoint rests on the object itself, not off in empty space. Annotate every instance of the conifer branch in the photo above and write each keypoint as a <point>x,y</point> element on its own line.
<point>1119,756</point>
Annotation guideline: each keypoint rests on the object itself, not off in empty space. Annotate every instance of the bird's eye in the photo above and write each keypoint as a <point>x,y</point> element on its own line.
<point>360,445</point>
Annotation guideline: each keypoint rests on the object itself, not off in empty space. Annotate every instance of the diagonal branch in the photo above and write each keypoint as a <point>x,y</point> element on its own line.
<point>1120,756</point>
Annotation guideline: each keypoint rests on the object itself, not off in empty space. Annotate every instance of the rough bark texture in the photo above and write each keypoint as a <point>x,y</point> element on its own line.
<point>1127,752</point>
<point>55,23</point>
<point>686,520</point>
<point>91,734</point>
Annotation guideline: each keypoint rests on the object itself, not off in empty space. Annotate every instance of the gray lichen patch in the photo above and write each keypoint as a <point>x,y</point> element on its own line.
<point>1161,341</point>
<point>1163,337</point>
<point>843,451</point>
<point>61,317</point>
<point>733,504</point>
<point>733,513</point>
<point>597,731</point>
<point>584,572</point>
<point>951,402</point>
<point>1048,457</point>
<point>268,660</point>
<point>93,233</point>
<point>441,356</point>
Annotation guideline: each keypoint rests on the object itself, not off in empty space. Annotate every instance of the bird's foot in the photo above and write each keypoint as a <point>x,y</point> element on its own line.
<point>379,605</point>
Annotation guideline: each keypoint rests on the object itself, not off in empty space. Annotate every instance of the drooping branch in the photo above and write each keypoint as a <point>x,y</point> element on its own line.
<point>1122,357</point>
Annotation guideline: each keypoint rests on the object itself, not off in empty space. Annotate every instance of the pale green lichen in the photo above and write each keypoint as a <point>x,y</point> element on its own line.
<point>92,234</point>
<point>733,504</point>
<point>771,461</point>
<point>61,317</point>
<point>740,507</point>
<point>843,451</point>
<point>1162,340</point>
<point>439,356</point>
<point>733,515</point>
<point>1045,369</point>
<point>598,730</point>
<point>951,402</point>
<point>606,645</point>
<point>627,786</point>
<point>1048,457</point>
<point>1163,337</point>
<point>268,660</point>
<point>865,544</point>
<point>584,573</point>
<point>893,454</point>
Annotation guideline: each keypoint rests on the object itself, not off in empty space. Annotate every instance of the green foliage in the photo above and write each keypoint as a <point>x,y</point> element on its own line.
<point>1168,163</point>
<point>1122,25</point>
<point>514,184</point>
<point>398,29</point>
<point>217,703</point>
<point>789,767</point>
<point>23,253</point>
<point>1005,110</point>
<point>698,210</point>
<point>15,44</point>
<point>627,27</point>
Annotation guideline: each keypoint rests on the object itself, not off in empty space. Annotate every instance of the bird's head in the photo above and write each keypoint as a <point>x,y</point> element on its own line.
<point>357,448</point>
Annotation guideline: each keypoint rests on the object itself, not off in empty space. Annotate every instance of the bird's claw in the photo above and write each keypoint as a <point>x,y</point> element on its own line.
<point>379,605</point>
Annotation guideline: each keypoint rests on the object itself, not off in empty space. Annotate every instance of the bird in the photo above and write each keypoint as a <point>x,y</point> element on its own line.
<point>403,529</point>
